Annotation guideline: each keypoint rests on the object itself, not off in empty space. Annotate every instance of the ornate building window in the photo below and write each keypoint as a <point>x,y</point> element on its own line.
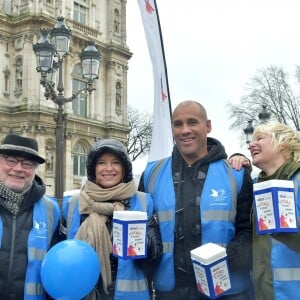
<point>79,105</point>
<point>118,98</point>
<point>6,81</point>
<point>19,74</point>
<point>49,158</point>
<point>80,13</point>
<point>117,21</point>
<point>79,160</point>
<point>118,94</point>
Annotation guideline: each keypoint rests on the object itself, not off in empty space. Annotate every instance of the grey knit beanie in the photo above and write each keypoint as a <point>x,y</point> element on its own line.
<point>111,146</point>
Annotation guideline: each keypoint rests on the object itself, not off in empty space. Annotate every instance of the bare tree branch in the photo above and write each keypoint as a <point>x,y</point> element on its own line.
<point>140,132</point>
<point>270,87</point>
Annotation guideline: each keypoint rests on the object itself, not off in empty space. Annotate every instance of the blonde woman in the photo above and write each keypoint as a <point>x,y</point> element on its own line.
<point>275,149</point>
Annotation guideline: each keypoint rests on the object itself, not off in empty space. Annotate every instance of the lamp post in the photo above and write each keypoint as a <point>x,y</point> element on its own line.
<point>263,116</point>
<point>249,132</point>
<point>50,57</point>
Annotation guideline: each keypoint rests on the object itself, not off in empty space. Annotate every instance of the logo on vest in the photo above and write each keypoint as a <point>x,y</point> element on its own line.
<point>218,197</point>
<point>40,228</point>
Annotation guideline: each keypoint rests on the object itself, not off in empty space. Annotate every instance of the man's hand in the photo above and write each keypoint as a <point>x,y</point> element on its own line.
<point>238,161</point>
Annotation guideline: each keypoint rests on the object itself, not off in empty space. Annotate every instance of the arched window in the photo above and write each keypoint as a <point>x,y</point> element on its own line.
<point>79,104</point>
<point>79,160</point>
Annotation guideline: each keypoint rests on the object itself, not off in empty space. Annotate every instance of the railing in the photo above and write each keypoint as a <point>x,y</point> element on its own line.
<point>83,28</point>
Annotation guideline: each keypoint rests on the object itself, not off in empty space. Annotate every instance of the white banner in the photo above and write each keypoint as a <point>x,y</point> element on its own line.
<point>162,140</point>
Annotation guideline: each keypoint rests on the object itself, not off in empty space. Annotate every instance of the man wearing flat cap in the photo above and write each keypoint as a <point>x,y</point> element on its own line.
<point>28,219</point>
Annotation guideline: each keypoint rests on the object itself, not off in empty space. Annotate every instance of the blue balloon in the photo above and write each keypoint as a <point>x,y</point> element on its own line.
<point>70,270</point>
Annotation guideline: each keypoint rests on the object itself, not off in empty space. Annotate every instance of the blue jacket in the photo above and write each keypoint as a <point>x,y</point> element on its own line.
<point>282,256</point>
<point>131,282</point>
<point>217,210</point>
<point>46,216</point>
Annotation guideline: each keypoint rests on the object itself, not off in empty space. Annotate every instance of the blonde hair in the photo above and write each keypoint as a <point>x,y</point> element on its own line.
<point>284,139</point>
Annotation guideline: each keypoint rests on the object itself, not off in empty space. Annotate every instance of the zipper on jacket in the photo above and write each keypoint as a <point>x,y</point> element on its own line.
<point>12,253</point>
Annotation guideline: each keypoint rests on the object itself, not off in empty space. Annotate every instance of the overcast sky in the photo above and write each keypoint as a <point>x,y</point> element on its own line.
<point>213,48</point>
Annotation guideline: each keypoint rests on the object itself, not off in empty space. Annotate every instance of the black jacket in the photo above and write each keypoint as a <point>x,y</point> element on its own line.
<point>13,251</point>
<point>188,184</point>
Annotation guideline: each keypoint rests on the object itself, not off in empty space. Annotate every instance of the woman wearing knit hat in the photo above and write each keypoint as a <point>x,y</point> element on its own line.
<point>110,187</point>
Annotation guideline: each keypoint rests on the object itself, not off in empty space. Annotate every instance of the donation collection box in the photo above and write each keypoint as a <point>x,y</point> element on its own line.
<point>211,270</point>
<point>129,234</point>
<point>275,209</point>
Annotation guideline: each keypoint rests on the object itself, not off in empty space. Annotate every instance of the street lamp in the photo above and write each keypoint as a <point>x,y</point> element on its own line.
<point>263,116</point>
<point>50,57</point>
<point>249,132</point>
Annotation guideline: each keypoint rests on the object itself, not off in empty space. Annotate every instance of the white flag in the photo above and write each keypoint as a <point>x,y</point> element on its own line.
<point>162,140</point>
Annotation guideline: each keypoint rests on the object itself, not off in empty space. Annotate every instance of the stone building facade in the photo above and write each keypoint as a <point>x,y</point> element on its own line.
<point>23,107</point>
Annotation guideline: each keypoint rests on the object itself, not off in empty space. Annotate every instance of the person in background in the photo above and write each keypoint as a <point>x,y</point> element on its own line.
<point>88,215</point>
<point>199,198</point>
<point>275,149</point>
<point>28,219</point>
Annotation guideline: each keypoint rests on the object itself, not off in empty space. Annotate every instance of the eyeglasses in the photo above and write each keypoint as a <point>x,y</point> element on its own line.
<point>12,161</point>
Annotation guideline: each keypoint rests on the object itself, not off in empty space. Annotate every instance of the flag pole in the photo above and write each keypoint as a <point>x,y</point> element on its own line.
<point>162,140</point>
<point>164,58</point>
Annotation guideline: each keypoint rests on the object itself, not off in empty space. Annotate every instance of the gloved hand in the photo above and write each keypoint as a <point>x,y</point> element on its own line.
<point>114,271</point>
<point>154,242</point>
<point>154,248</point>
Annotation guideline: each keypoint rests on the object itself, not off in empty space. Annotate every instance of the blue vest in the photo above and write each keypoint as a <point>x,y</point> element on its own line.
<point>131,281</point>
<point>217,208</point>
<point>285,263</point>
<point>46,216</point>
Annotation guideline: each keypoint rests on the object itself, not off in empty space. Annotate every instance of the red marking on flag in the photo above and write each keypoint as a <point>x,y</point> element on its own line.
<point>149,8</point>
<point>163,95</point>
